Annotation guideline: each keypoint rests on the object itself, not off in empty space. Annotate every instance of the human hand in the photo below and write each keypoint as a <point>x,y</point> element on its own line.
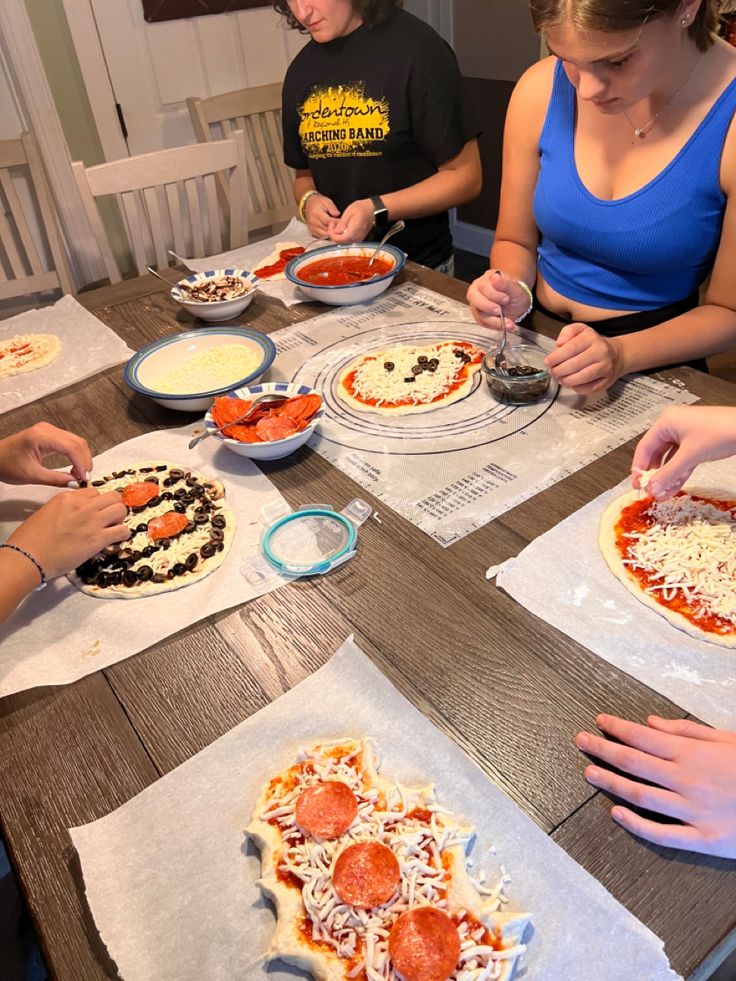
<point>320,211</point>
<point>354,224</point>
<point>493,290</point>
<point>584,360</point>
<point>695,433</point>
<point>21,456</point>
<point>694,768</point>
<point>72,527</point>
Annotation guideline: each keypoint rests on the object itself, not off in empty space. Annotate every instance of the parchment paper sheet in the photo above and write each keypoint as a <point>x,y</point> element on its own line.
<point>452,470</point>
<point>563,578</point>
<point>60,634</point>
<point>248,255</point>
<point>87,346</point>
<point>172,886</point>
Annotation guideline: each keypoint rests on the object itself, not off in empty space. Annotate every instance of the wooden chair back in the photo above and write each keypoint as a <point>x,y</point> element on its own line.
<point>22,269</point>
<point>169,200</point>
<point>257,111</point>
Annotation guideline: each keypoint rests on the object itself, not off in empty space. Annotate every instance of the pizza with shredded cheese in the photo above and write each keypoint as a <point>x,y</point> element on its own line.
<point>27,352</point>
<point>678,556</point>
<point>407,379</point>
<point>181,529</point>
<point>370,878</point>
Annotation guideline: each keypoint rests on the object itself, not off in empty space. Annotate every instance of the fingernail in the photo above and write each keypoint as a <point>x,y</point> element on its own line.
<point>88,475</point>
<point>582,740</point>
<point>592,773</point>
<point>73,485</point>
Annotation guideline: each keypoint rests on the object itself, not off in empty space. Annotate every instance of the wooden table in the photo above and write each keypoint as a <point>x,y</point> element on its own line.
<point>508,688</point>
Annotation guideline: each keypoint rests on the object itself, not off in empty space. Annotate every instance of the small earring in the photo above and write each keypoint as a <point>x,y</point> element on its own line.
<point>684,21</point>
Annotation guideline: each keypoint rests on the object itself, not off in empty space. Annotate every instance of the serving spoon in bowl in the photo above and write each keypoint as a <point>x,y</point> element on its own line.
<point>263,397</point>
<point>398,226</point>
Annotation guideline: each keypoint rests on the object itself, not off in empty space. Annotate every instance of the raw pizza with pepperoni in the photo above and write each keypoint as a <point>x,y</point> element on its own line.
<point>181,530</point>
<point>370,878</point>
<point>408,379</point>
<point>678,557</point>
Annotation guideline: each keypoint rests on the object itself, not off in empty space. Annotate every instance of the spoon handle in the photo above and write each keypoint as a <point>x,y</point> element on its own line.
<point>398,226</point>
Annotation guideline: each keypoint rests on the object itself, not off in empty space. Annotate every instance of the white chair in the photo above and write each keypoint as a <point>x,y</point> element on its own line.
<point>257,111</point>
<point>22,270</point>
<point>169,200</point>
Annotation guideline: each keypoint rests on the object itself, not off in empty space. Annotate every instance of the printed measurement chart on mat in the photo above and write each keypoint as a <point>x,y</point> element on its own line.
<point>454,468</point>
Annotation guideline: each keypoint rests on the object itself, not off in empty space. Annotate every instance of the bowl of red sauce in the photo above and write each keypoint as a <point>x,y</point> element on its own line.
<point>340,274</point>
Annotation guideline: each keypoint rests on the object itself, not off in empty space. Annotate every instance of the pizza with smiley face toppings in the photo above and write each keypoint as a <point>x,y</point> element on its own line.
<point>181,530</point>
<point>370,877</point>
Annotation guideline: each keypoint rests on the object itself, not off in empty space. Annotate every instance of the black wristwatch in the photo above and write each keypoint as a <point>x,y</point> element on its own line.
<point>380,214</point>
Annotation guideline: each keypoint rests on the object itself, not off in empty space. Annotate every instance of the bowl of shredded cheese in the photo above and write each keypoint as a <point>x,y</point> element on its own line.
<point>187,371</point>
<point>219,294</point>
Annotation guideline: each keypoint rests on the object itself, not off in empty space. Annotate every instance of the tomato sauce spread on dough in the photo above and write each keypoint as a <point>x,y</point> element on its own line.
<point>636,518</point>
<point>265,272</point>
<point>343,270</point>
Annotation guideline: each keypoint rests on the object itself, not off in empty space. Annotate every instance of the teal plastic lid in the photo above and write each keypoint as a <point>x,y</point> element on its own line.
<point>314,539</point>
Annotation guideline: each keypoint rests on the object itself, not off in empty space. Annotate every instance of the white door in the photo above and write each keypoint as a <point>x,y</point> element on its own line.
<point>150,69</point>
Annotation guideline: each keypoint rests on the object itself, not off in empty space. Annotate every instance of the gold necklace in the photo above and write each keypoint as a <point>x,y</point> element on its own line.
<point>641,131</point>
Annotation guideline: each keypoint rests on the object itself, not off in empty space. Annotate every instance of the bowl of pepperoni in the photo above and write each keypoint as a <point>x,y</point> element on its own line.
<point>274,429</point>
<point>342,274</point>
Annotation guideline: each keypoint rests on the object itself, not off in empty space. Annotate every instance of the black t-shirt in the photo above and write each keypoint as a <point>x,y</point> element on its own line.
<point>377,111</point>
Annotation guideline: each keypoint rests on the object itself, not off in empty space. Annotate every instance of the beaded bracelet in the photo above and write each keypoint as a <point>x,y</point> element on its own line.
<point>531,301</point>
<point>303,203</point>
<point>22,551</point>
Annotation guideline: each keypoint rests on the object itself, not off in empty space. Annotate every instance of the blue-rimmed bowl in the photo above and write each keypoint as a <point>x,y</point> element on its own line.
<point>360,292</point>
<point>274,449</point>
<point>215,309</point>
<point>158,359</point>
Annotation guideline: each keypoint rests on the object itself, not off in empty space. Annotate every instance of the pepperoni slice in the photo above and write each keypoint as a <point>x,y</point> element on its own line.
<point>366,874</point>
<point>136,495</point>
<point>275,427</point>
<point>424,945</point>
<point>167,525</point>
<point>327,809</point>
<point>300,408</point>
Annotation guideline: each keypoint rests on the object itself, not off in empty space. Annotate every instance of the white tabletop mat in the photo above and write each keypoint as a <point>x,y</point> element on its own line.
<point>563,578</point>
<point>60,634</point>
<point>248,256</point>
<point>172,884</point>
<point>87,346</point>
<point>453,470</point>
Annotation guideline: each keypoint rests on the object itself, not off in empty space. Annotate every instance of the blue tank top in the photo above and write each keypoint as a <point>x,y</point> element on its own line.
<point>643,251</point>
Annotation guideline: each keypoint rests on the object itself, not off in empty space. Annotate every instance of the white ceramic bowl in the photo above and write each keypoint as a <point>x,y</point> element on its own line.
<point>277,448</point>
<point>154,360</point>
<point>359,292</point>
<point>214,310</point>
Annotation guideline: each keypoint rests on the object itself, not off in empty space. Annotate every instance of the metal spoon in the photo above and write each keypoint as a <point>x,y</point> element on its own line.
<point>159,276</point>
<point>398,226</point>
<point>499,362</point>
<point>264,397</point>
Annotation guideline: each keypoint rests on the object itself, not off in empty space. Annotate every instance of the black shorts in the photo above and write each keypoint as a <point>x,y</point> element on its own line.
<point>631,323</point>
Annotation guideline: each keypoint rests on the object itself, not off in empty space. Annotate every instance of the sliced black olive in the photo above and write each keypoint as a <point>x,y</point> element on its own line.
<point>151,480</point>
<point>389,365</point>
<point>98,483</point>
<point>201,519</point>
<point>179,569</point>
<point>188,529</point>
<point>413,378</point>
<point>180,492</point>
<point>161,468</point>
<point>141,527</point>
<point>148,551</point>
<point>180,508</point>
<point>154,502</point>
<point>146,470</point>
<point>191,562</point>
<point>103,580</point>
<point>218,521</point>
<point>434,362</point>
<point>116,578</point>
<point>159,577</point>
<point>168,482</point>
<point>89,578</point>
<point>431,368</point>
<point>164,543</point>
<point>176,474</point>
<point>190,481</point>
<point>217,534</point>
<point>137,510</point>
<point>118,474</point>
<point>166,496</point>
<point>145,572</point>
<point>207,550</point>
<point>422,359</point>
<point>220,546</point>
<point>83,483</point>
<point>417,369</point>
<point>130,578</point>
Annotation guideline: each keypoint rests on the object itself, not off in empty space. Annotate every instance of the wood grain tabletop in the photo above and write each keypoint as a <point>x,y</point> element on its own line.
<point>508,688</point>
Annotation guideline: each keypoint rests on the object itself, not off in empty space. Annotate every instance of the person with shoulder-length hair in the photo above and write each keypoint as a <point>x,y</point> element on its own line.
<point>376,127</point>
<point>619,189</point>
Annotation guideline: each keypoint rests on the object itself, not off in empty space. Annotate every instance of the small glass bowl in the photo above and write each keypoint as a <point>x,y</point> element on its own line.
<point>528,377</point>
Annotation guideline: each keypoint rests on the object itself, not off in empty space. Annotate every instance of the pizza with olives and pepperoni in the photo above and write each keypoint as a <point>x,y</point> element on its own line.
<point>678,557</point>
<point>370,877</point>
<point>181,529</point>
<point>408,379</point>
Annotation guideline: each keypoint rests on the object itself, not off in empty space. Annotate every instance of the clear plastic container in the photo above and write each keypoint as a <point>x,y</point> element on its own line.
<point>526,378</point>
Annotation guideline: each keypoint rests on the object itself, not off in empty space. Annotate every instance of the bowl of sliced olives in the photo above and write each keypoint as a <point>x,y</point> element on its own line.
<point>525,378</point>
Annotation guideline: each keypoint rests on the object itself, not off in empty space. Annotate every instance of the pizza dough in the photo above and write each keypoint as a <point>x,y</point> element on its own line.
<point>407,379</point>
<point>181,526</point>
<point>27,352</point>
<point>689,551</point>
<point>274,258</point>
<point>362,869</point>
